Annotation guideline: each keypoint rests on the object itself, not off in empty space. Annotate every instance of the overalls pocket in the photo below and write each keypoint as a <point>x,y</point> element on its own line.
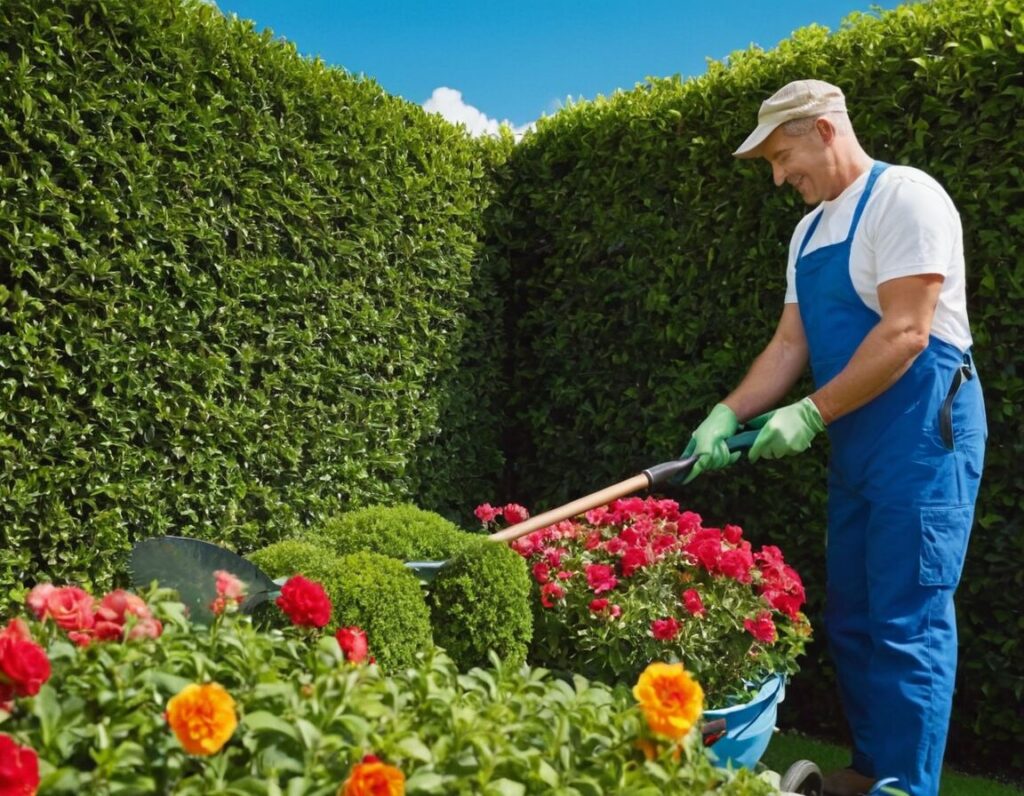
<point>944,535</point>
<point>962,374</point>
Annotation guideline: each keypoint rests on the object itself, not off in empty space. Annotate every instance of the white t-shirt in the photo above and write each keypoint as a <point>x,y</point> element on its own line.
<point>909,226</point>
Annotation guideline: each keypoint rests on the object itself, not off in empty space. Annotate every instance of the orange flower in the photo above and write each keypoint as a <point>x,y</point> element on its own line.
<point>671,700</point>
<point>373,778</point>
<point>202,717</point>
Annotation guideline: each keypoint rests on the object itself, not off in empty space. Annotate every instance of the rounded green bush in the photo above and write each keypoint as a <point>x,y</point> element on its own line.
<point>480,601</point>
<point>383,597</point>
<point>294,557</point>
<point>404,532</point>
<point>369,590</point>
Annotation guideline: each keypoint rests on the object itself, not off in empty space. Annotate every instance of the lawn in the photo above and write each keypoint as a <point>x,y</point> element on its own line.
<point>788,747</point>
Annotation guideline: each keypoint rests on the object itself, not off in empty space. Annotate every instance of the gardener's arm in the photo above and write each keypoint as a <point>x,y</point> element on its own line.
<point>775,370</point>
<point>888,351</point>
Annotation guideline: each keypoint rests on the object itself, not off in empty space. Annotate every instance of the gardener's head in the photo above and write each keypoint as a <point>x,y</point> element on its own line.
<point>804,132</point>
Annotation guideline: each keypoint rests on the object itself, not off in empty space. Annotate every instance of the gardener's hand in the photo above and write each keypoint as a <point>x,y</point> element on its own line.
<point>785,431</point>
<point>709,441</point>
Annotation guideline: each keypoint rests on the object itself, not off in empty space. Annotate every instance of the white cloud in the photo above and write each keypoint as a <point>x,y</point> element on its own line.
<point>449,103</point>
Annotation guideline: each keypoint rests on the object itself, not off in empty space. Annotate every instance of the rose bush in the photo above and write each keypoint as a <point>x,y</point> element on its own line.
<point>640,580</point>
<point>228,708</point>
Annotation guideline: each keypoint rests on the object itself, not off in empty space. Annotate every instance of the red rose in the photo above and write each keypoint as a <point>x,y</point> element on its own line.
<point>733,534</point>
<point>601,578</point>
<point>706,548</point>
<point>515,513</point>
<point>737,564</point>
<point>305,602</point>
<point>24,666</point>
<point>761,627</point>
<point>633,559</point>
<point>549,593</point>
<point>541,572</point>
<point>665,629</point>
<point>352,641</point>
<point>598,605</point>
<point>19,769</point>
<point>693,603</point>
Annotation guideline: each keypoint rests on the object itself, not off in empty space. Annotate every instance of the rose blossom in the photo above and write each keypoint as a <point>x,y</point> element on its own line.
<point>69,606</point>
<point>550,593</point>
<point>761,627</point>
<point>601,578</point>
<point>305,602</point>
<point>693,603</point>
<point>486,513</point>
<point>665,629</point>
<point>19,768</point>
<point>514,513</point>
<point>352,641</point>
<point>24,666</point>
<point>541,572</point>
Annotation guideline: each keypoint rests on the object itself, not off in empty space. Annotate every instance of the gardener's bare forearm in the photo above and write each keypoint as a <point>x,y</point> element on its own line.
<point>775,370</point>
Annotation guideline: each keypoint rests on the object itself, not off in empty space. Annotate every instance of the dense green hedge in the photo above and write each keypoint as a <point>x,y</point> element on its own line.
<point>239,289</point>
<point>648,268</point>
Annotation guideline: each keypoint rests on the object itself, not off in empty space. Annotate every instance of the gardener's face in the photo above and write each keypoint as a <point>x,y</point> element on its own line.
<point>803,161</point>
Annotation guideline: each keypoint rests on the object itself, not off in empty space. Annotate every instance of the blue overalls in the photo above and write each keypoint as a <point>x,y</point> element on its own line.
<point>903,479</point>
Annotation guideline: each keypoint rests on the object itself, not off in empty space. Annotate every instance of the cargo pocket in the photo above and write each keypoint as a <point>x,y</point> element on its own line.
<point>944,535</point>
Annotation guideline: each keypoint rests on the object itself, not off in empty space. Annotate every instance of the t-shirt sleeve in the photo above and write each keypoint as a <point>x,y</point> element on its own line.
<point>915,231</point>
<point>794,244</point>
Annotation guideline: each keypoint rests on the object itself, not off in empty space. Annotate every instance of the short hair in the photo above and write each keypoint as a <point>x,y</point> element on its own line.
<point>798,127</point>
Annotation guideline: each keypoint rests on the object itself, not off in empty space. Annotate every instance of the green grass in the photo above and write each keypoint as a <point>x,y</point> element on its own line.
<point>788,747</point>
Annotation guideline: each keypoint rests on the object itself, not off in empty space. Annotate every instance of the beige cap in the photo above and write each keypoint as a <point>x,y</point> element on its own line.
<point>796,100</point>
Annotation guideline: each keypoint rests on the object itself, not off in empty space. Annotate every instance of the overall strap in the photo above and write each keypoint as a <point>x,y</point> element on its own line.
<point>807,237</point>
<point>876,169</point>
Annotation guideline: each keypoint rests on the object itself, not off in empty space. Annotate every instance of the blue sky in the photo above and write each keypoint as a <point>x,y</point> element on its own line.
<point>482,62</point>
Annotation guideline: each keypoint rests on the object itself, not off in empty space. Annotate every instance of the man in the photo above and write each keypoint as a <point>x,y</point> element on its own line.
<point>875,301</point>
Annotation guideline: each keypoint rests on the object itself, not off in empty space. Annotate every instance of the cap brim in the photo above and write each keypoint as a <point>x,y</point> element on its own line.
<point>748,149</point>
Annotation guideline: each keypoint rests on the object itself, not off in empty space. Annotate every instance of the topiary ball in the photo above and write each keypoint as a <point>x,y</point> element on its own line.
<point>480,601</point>
<point>404,532</point>
<point>384,598</point>
<point>374,592</point>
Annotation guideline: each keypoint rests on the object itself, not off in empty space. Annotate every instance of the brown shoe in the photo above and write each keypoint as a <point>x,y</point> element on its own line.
<point>847,782</point>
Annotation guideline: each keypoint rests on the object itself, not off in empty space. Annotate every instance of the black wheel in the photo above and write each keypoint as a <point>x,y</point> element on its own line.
<point>803,777</point>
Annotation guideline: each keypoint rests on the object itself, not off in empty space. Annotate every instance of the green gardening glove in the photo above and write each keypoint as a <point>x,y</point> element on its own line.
<point>785,431</point>
<point>709,441</point>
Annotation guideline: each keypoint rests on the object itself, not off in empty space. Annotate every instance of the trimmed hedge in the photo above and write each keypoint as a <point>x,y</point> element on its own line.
<point>648,268</point>
<point>240,291</point>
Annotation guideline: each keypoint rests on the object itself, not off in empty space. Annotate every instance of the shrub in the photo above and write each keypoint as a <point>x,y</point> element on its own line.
<point>368,590</point>
<point>639,581</point>
<point>479,602</point>
<point>107,721</point>
<point>404,532</point>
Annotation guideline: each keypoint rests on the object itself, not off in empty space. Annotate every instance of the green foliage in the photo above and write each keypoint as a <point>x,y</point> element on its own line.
<point>480,602</point>
<point>404,532</point>
<point>371,591</point>
<point>241,290</point>
<point>306,718</point>
<point>647,269</point>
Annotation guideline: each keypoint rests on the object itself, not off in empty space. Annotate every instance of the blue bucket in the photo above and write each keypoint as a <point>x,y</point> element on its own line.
<point>748,726</point>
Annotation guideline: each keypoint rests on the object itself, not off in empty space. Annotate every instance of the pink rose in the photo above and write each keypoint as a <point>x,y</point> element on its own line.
<point>69,606</point>
<point>486,513</point>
